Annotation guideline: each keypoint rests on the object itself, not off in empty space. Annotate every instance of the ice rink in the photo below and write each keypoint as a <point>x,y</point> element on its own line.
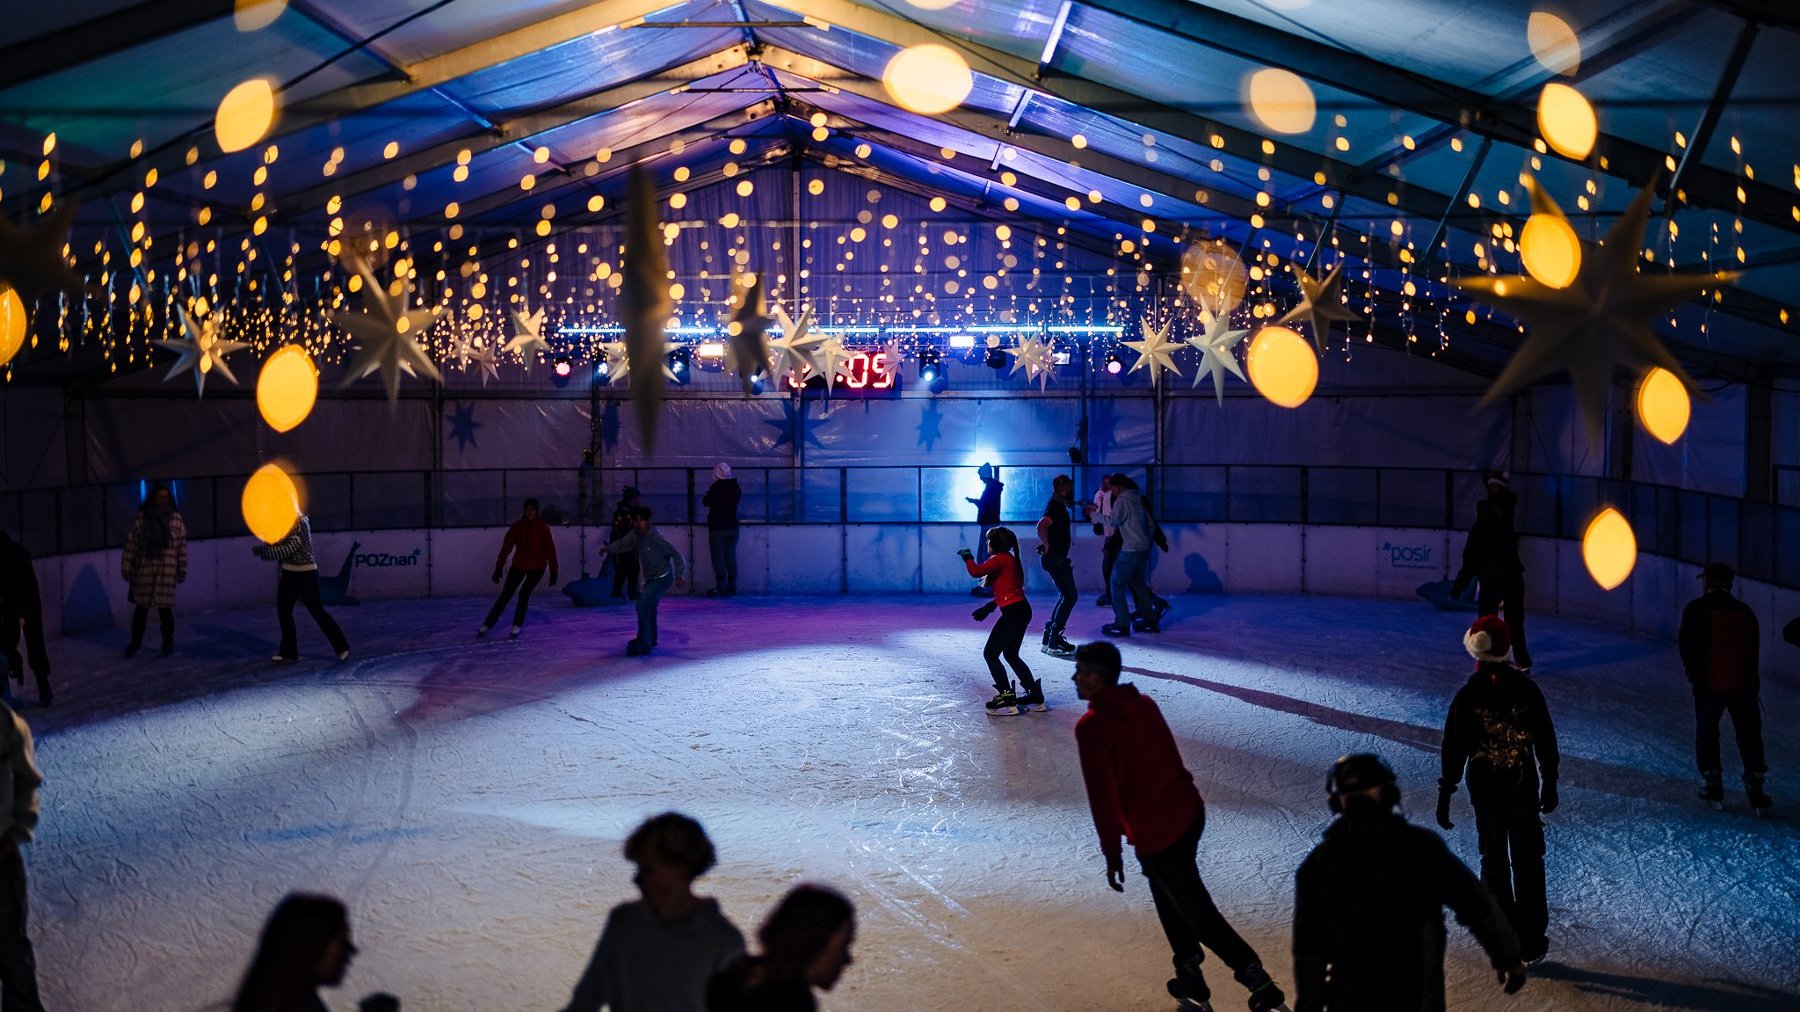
<point>468,798</point>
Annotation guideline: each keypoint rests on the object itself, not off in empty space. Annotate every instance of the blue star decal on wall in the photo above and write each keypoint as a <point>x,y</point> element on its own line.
<point>462,425</point>
<point>931,425</point>
<point>793,417</point>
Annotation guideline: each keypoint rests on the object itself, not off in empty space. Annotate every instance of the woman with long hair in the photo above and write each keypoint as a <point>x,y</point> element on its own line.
<point>304,946</point>
<point>1003,571</point>
<point>806,944</point>
<point>155,559</point>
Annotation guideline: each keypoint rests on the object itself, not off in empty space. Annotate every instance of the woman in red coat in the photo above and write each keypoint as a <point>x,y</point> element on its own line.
<point>533,550</point>
<point>1006,576</point>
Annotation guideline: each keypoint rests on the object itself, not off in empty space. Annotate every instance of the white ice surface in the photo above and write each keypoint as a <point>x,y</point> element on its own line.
<point>468,798</point>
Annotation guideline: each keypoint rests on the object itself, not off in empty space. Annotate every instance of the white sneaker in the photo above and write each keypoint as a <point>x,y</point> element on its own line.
<point>278,659</point>
<point>343,655</point>
<point>515,631</point>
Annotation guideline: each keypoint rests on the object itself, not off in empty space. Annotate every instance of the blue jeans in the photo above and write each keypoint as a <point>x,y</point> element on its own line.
<point>724,559</point>
<point>1062,573</point>
<point>1131,582</point>
<point>648,599</point>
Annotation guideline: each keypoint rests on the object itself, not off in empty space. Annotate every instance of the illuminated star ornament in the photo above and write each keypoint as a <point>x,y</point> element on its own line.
<point>1155,352</point>
<point>1216,356</point>
<point>747,354</point>
<point>31,257</point>
<point>1036,357</point>
<point>475,354</point>
<point>388,332</point>
<point>827,355</point>
<point>1321,303</point>
<point>528,337</point>
<point>793,350</point>
<point>644,303</point>
<point>202,351</point>
<point>1599,321</point>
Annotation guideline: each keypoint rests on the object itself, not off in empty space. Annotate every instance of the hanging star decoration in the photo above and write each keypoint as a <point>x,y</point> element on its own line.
<point>31,254</point>
<point>644,304</point>
<point>1037,358</point>
<point>1216,356</point>
<point>474,353</point>
<point>891,359</point>
<point>1321,303</point>
<point>747,353</point>
<point>793,351</point>
<point>389,334</point>
<point>1155,352</point>
<point>462,425</point>
<point>202,351</point>
<point>528,337</point>
<point>618,362</point>
<point>827,355</point>
<point>1601,320</point>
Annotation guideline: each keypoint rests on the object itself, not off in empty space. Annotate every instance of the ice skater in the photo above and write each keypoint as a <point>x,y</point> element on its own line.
<point>987,515</point>
<point>1053,531</point>
<point>1138,532</point>
<point>1503,584</point>
<point>1138,788</point>
<point>662,566</point>
<point>153,562</point>
<point>299,583</point>
<point>721,502</point>
<point>533,549</point>
<point>624,563</point>
<point>805,944</point>
<point>1720,651</point>
<point>1369,905</point>
<point>1499,728</point>
<point>19,782</point>
<point>1109,538</point>
<point>21,611</point>
<point>657,954</point>
<point>1003,570</point>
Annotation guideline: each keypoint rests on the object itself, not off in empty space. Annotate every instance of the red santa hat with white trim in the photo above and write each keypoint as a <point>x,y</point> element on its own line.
<point>1488,640</point>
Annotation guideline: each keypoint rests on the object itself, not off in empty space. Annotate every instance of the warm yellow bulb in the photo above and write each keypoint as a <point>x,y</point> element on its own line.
<point>1282,366</point>
<point>1550,249</point>
<point>287,388</point>
<point>252,15</point>
<point>13,324</point>
<point>245,115</point>
<point>1567,121</point>
<point>271,503</point>
<point>1663,405</point>
<point>1281,101</point>
<point>1553,42</point>
<point>1609,548</point>
<point>928,79</point>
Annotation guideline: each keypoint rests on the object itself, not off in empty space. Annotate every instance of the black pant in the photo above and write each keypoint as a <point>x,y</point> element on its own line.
<point>1189,917</point>
<point>140,617</point>
<point>29,615</point>
<point>1505,596</point>
<point>18,965</point>
<point>1004,640</point>
<point>1109,554</point>
<point>1062,573</point>
<point>1511,837</point>
<point>1745,708</point>
<point>625,574</point>
<point>521,580</point>
<point>724,559</point>
<point>304,588</point>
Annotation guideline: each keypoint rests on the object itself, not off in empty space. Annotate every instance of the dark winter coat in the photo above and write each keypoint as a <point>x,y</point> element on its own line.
<point>535,546</point>
<point>1720,644</point>
<point>721,502</point>
<point>1506,509</point>
<point>1491,555</point>
<point>1369,920</point>
<point>1499,728</point>
<point>154,574</point>
<point>18,578</point>
<point>987,508</point>
<point>1137,785</point>
<point>727,993</point>
<point>621,524</point>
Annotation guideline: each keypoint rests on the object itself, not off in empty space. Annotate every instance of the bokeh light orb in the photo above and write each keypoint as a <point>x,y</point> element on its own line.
<point>1609,548</point>
<point>287,388</point>
<point>1553,43</point>
<point>1281,100</point>
<point>14,324</point>
<point>1282,366</point>
<point>255,15</point>
<point>1550,250</point>
<point>1663,405</point>
<point>1567,121</point>
<point>928,79</point>
<point>1213,275</point>
<point>270,504</point>
<point>245,115</point>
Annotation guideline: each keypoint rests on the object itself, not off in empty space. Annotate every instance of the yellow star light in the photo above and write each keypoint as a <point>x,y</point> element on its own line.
<point>202,351</point>
<point>482,357</point>
<point>793,351</point>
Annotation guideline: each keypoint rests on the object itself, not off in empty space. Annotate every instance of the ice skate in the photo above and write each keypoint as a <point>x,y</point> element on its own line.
<point>1265,995</point>
<point>1759,799</point>
<point>1033,699</point>
<point>1056,646</point>
<point>1004,703</point>
<point>1712,791</point>
<point>636,648</point>
<point>1190,993</point>
<point>514,634</point>
<point>481,631</point>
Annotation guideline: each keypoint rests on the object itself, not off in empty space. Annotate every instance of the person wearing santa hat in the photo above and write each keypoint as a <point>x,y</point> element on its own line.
<point>1499,731</point>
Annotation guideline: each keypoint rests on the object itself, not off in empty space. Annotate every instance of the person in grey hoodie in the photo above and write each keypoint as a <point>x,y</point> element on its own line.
<point>658,953</point>
<point>661,565</point>
<point>1131,573</point>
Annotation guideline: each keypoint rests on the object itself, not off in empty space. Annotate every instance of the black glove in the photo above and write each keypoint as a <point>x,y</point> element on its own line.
<point>1548,797</point>
<point>496,576</point>
<point>965,553</point>
<point>380,1001</point>
<point>1099,529</point>
<point>1443,805</point>
<point>983,612</point>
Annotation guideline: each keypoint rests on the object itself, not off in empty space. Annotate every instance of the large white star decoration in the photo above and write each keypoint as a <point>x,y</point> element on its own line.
<point>479,355</point>
<point>644,303</point>
<point>1216,356</point>
<point>1321,302</point>
<point>793,351</point>
<point>747,350</point>
<point>1155,352</point>
<point>389,333</point>
<point>618,362</point>
<point>528,337</point>
<point>1600,321</point>
<point>827,355</point>
<point>31,254</point>
<point>1037,358</point>
<point>202,351</point>
<point>890,358</point>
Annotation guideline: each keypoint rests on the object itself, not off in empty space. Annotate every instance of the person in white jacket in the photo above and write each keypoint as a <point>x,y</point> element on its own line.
<point>19,781</point>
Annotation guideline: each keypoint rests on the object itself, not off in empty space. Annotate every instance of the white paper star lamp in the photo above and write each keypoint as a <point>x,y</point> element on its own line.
<point>1155,352</point>
<point>477,355</point>
<point>827,355</point>
<point>1216,355</point>
<point>1036,357</point>
<point>528,337</point>
<point>202,351</point>
<point>793,351</point>
<point>1321,303</point>
<point>389,333</point>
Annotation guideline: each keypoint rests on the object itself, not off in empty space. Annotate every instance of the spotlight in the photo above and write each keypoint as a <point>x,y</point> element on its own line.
<point>931,370</point>
<point>962,342</point>
<point>602,369</point>
<point>756,383</point>
<point>562,367</point>
<point>1114,364</point>
<point>678,364</point>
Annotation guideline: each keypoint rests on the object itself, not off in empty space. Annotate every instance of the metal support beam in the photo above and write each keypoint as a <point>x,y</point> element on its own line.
<point>1055,39</point>
<point>1462,194</point>
<point>99,37</point>
<point>1709,120</point>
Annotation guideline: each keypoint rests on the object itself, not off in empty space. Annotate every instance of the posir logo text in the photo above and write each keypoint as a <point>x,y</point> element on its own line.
<point>1408,556</point>
<point>383,559</point>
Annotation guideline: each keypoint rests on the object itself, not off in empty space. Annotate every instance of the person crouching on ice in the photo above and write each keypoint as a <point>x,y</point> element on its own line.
<point>1006,574</point>
<point>661,565</point>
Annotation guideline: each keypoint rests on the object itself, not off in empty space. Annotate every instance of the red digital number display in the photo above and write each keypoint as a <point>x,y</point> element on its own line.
<point>863,370</point>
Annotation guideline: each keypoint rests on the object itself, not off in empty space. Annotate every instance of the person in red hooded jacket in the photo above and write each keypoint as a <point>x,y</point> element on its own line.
<point>533,550</point>
<point>1138,788</point>
<point>1721,653</point>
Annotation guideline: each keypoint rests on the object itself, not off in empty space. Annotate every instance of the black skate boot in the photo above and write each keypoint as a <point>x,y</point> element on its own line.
<point>1033,698</point>
<point>1188,988</point>
<point>1004,703</point>
<point>1059,647</point>
<point>1265,996</point>
<point>1760,802</point>
<point>1712,790</point>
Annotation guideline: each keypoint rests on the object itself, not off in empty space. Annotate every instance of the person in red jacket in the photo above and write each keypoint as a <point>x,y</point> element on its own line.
<point>1138,788</point>
<point>1005,575</point>
<point>1720,651</point>
<point>533,550</point>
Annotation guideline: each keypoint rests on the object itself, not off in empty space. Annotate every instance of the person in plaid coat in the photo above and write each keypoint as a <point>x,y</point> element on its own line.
<point>155,559</point>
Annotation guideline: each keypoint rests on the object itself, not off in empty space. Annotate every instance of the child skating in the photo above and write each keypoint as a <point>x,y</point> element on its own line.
<point>1005,574</point>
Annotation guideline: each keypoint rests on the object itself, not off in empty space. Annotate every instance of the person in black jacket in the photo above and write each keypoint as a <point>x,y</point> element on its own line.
<point>21,608</point>
<point>625,564</point>
<point>1503,584</point>
<point>1721,652</point>
<point>1499,729</point>
<point>1368,905</point>
<point>806,944</point>
<point>987,515</point>
<point>721,502</point>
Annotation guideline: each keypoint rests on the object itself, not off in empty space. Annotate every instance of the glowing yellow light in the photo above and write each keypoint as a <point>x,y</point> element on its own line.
<point>13,324</point>
<point>939,203</point>
<point>677,291</point>
<point>287,387</point>
<point>1281,101</point>
<point>746,188</point>
<point>1553,43</point>
<point>1282,366</point>
<point>252,15</point>
<point>1609,548</point>
<point>271,503</point>
<point>928,79</point>
<point>815,187</point>
<point>596,202</point>
<point>1663,405</point>
<point>245,115</point>
<point>1001,233</point>
<point>1567,121</point>
<point>1550,250</point>
<point>678,200</point>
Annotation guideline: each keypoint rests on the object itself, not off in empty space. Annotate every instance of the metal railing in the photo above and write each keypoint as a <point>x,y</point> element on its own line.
<point>1762,540</point>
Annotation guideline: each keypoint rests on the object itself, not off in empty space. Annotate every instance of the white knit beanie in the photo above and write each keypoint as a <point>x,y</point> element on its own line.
<point>721,471</point>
